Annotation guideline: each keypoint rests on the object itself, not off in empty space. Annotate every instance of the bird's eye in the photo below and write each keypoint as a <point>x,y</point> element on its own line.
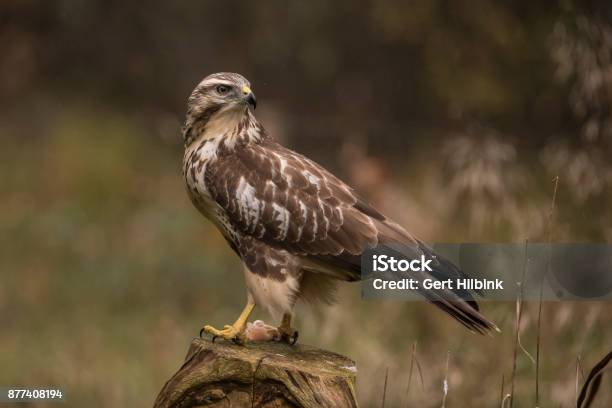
<point>223,89</point>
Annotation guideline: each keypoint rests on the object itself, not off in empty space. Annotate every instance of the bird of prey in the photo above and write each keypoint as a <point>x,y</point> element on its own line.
<point>297,228</point>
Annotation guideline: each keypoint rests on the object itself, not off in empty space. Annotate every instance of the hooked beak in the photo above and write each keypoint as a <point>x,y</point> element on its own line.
<point>249,96</point>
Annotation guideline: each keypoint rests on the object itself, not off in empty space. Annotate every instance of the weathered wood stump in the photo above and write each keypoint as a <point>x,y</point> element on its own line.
<point>269,374</point>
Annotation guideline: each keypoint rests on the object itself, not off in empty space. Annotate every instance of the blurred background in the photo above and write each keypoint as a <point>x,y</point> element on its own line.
<point>453,118</point>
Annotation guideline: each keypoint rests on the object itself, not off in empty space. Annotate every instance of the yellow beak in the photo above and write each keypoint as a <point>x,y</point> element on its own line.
<point>249,96</point>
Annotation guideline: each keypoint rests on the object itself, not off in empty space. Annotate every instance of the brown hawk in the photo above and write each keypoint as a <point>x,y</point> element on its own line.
<point>297,228</point>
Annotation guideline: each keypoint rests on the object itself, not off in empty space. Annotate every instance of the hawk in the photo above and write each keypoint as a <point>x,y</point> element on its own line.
<point>297,228</point>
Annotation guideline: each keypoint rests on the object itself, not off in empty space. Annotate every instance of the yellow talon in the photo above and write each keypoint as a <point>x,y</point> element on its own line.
<point>229,332</point>
<point>234,332</point>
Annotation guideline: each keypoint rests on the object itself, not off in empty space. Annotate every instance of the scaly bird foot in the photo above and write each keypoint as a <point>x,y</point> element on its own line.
<point>229,332</point>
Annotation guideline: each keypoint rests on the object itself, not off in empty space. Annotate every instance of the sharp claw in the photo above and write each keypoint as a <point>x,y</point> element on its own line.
<point>228,333</point>
<point>295,337</point>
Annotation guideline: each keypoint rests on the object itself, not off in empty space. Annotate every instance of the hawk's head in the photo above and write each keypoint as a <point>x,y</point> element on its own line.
<point>223,97</point>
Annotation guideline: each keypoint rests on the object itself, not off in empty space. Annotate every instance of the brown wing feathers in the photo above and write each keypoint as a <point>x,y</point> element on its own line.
<point>288,201</point>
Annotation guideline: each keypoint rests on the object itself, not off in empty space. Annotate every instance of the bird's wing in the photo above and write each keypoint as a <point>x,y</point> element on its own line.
<point>281,197</point>
<point>288,201</point>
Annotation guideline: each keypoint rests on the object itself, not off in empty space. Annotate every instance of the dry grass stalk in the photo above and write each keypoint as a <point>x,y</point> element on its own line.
<point>420,370</point>
<point>538,331</point>
<point>506,398</point>
<point>539,327</point>
<point>445,387</point>
<point>580,366</point>
<point>578,369</point>
<point>501,393</point>
<point>384,396</point>
<point>593,382</point>
<point>412,360</point>
<point>517,325</point>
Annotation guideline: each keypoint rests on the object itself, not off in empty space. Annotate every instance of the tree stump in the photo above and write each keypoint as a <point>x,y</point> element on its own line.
<point>267,374</point>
